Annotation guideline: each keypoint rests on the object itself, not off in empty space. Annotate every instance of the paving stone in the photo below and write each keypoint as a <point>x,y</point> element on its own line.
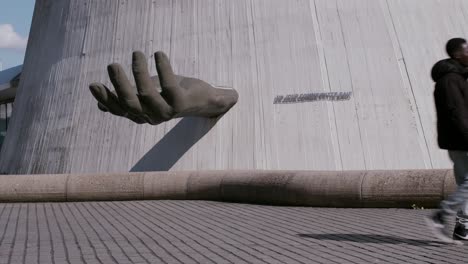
<point>211,232</point>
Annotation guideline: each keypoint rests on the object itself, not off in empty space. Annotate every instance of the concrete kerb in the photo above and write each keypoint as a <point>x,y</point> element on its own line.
<point>303,188</point>
<point>27,188</point>
<point>398,188</point>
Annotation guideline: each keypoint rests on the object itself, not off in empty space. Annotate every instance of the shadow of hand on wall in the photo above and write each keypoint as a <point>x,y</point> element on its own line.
<point>175,144</point>
<point>370,238</point>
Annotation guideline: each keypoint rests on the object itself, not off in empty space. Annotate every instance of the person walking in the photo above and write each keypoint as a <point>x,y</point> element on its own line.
<point>451,100</point>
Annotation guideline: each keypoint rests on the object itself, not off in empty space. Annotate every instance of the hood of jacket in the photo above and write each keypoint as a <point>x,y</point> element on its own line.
<point>447,66</point>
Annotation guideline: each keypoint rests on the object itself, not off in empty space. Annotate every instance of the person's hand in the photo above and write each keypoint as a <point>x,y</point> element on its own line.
<point>160,98</point>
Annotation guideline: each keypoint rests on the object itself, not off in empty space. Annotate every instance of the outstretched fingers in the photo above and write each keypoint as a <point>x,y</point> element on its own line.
<point>164,68</point>
<point>167,78</point>
<point>145,103</point>
<point>145,85</point>
<point>152,102</point>
<point>107,100</point>
<point>126,93</point>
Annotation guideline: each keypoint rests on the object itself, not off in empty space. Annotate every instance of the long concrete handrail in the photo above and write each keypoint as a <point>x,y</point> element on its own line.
<point>304,188</point>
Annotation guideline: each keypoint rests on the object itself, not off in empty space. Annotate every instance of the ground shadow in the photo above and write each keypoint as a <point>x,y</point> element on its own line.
<point>175,144</point>
<point>368,238</point>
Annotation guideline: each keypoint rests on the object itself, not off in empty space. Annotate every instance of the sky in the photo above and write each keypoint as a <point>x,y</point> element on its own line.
<point>15,22</point>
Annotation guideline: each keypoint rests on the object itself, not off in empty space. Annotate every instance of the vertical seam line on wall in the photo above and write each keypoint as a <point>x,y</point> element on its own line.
<point>318,35</point>
<point>173,26</point>
<point>230,159</point>
<point>257,71</point>
<point>352,85</point>
<point>410,84</point>
<point>116,27</point>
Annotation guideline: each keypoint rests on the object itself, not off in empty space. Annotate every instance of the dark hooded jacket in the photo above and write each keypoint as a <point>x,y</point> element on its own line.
<point>451,99</point>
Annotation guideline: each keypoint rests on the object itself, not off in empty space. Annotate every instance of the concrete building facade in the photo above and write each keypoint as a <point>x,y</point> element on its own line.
<point>379,52</point>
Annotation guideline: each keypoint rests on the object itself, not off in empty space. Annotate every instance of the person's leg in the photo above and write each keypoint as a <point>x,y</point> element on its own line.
<point>454,203</point>
<point>461,176</point>
<point>462,214</point>
<point>457,202</point>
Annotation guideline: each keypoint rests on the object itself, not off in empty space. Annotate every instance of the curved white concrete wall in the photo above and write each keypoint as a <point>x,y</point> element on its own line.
<point>380,50</point>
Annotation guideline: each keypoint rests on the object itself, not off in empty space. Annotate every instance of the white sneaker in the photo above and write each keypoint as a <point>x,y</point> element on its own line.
<point>436,224</point>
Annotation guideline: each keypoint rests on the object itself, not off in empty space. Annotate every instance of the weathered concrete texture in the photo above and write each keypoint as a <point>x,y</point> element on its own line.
<point>308,188</point>
<point>380,50</point>
<point>191,232</point>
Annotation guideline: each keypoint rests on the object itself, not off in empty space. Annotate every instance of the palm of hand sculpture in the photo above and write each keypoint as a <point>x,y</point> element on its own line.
<point>160,98</point>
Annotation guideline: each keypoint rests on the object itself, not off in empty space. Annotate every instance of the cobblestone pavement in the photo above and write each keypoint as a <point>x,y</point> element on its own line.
<point>210,232</point>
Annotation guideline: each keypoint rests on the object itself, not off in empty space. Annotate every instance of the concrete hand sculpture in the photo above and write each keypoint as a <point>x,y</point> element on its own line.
<point>160,98</point>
